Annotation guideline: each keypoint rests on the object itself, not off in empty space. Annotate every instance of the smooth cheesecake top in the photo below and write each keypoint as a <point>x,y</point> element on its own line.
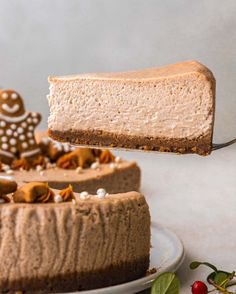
<point>171,70</point>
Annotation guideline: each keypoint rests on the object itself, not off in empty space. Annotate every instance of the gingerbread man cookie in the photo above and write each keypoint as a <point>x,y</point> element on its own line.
<point>16,128</point>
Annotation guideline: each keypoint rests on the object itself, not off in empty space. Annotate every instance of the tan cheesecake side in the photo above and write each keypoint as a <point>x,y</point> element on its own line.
<point>68,247</point>
<point>122,177</point>
<point>164,109</point>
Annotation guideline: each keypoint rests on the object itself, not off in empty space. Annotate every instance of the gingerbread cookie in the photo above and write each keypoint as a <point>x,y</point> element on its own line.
<point>16,128</point>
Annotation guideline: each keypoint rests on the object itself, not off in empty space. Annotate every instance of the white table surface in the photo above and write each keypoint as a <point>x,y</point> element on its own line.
<point>195,197</point>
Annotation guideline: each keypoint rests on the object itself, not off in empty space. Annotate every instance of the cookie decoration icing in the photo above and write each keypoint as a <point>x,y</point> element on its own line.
<point>16,128</point>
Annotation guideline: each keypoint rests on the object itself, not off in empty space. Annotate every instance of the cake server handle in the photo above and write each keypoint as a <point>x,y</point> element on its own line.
<point>222,145</point>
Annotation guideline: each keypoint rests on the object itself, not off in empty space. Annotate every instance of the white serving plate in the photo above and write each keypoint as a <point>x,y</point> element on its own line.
<point>167,254</point>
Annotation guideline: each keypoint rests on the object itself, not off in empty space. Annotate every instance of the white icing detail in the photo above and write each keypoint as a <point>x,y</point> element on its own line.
<point>2,123</point>
<point>10,172</point>
<point>4,139</point>
<point>15,134</point>
<point>101,193</point>
<point>35,120</point>
<point>22,137</point>
<point>9,132</point>
<point>14,96</point>
<point>31,142</point>
<point>13,141</point>
<point>13,126</point>
<point>25,145</point>
<point>31,152</point>
<point>31,128</point>
<point>15,118</point>
<point>8,154</point>
<point>13,149</point>
<point>20,130</point>
<point>58,198</point>
<point>4,146</point>
<point>29,120</point>
<point>4,95</point>
<point>24,124</point>
<point>10,109</point>
<point>29,135</point>
<point>94,165</point>
<point>34,114</point>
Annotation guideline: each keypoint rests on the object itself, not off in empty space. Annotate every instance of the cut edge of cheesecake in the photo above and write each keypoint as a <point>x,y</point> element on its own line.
<point>201,145</point>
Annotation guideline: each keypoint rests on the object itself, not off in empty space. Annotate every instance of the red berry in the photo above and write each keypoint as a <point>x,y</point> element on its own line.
<point>199,288</point>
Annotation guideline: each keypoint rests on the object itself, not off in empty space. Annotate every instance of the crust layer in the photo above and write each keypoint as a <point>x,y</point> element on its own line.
<point>81,281</point>
<point>201,145</point>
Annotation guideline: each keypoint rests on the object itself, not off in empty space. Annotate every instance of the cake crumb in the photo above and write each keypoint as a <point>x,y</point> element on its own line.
<point>151,271</point>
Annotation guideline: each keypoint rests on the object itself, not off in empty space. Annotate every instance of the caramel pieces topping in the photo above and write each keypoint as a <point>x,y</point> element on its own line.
<point>67,194</point>
<point>34,192</point>
<point>7,186</point>
<point>106,157</point>
<point>27,164</point>
<point>82,157</point>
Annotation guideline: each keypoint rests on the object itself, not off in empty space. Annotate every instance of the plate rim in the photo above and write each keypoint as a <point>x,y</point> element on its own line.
<point>146,282</point>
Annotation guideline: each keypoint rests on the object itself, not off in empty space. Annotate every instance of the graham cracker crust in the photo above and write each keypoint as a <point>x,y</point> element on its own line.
<point>112,275</point>
<point>201,145</point>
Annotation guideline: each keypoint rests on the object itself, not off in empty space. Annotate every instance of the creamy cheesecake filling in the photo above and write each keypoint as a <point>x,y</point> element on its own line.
<point>134,109</point>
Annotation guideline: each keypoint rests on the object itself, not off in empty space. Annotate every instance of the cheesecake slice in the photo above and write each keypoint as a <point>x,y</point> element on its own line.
<point>73,246</point>
<point>164,109</point>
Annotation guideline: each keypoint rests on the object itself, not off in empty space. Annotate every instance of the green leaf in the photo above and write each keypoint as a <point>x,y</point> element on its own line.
<point>221,278</point>
<point>196,264</point>
<point>166,283</point>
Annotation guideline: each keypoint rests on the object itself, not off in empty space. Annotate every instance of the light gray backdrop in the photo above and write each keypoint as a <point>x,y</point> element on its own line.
<point>56,37</point>
<point>194,196</point>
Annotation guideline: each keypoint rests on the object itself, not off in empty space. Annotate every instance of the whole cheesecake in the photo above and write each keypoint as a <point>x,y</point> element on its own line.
<point>125,176</point>
<point>76,245</point>
<point>164,109</point>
